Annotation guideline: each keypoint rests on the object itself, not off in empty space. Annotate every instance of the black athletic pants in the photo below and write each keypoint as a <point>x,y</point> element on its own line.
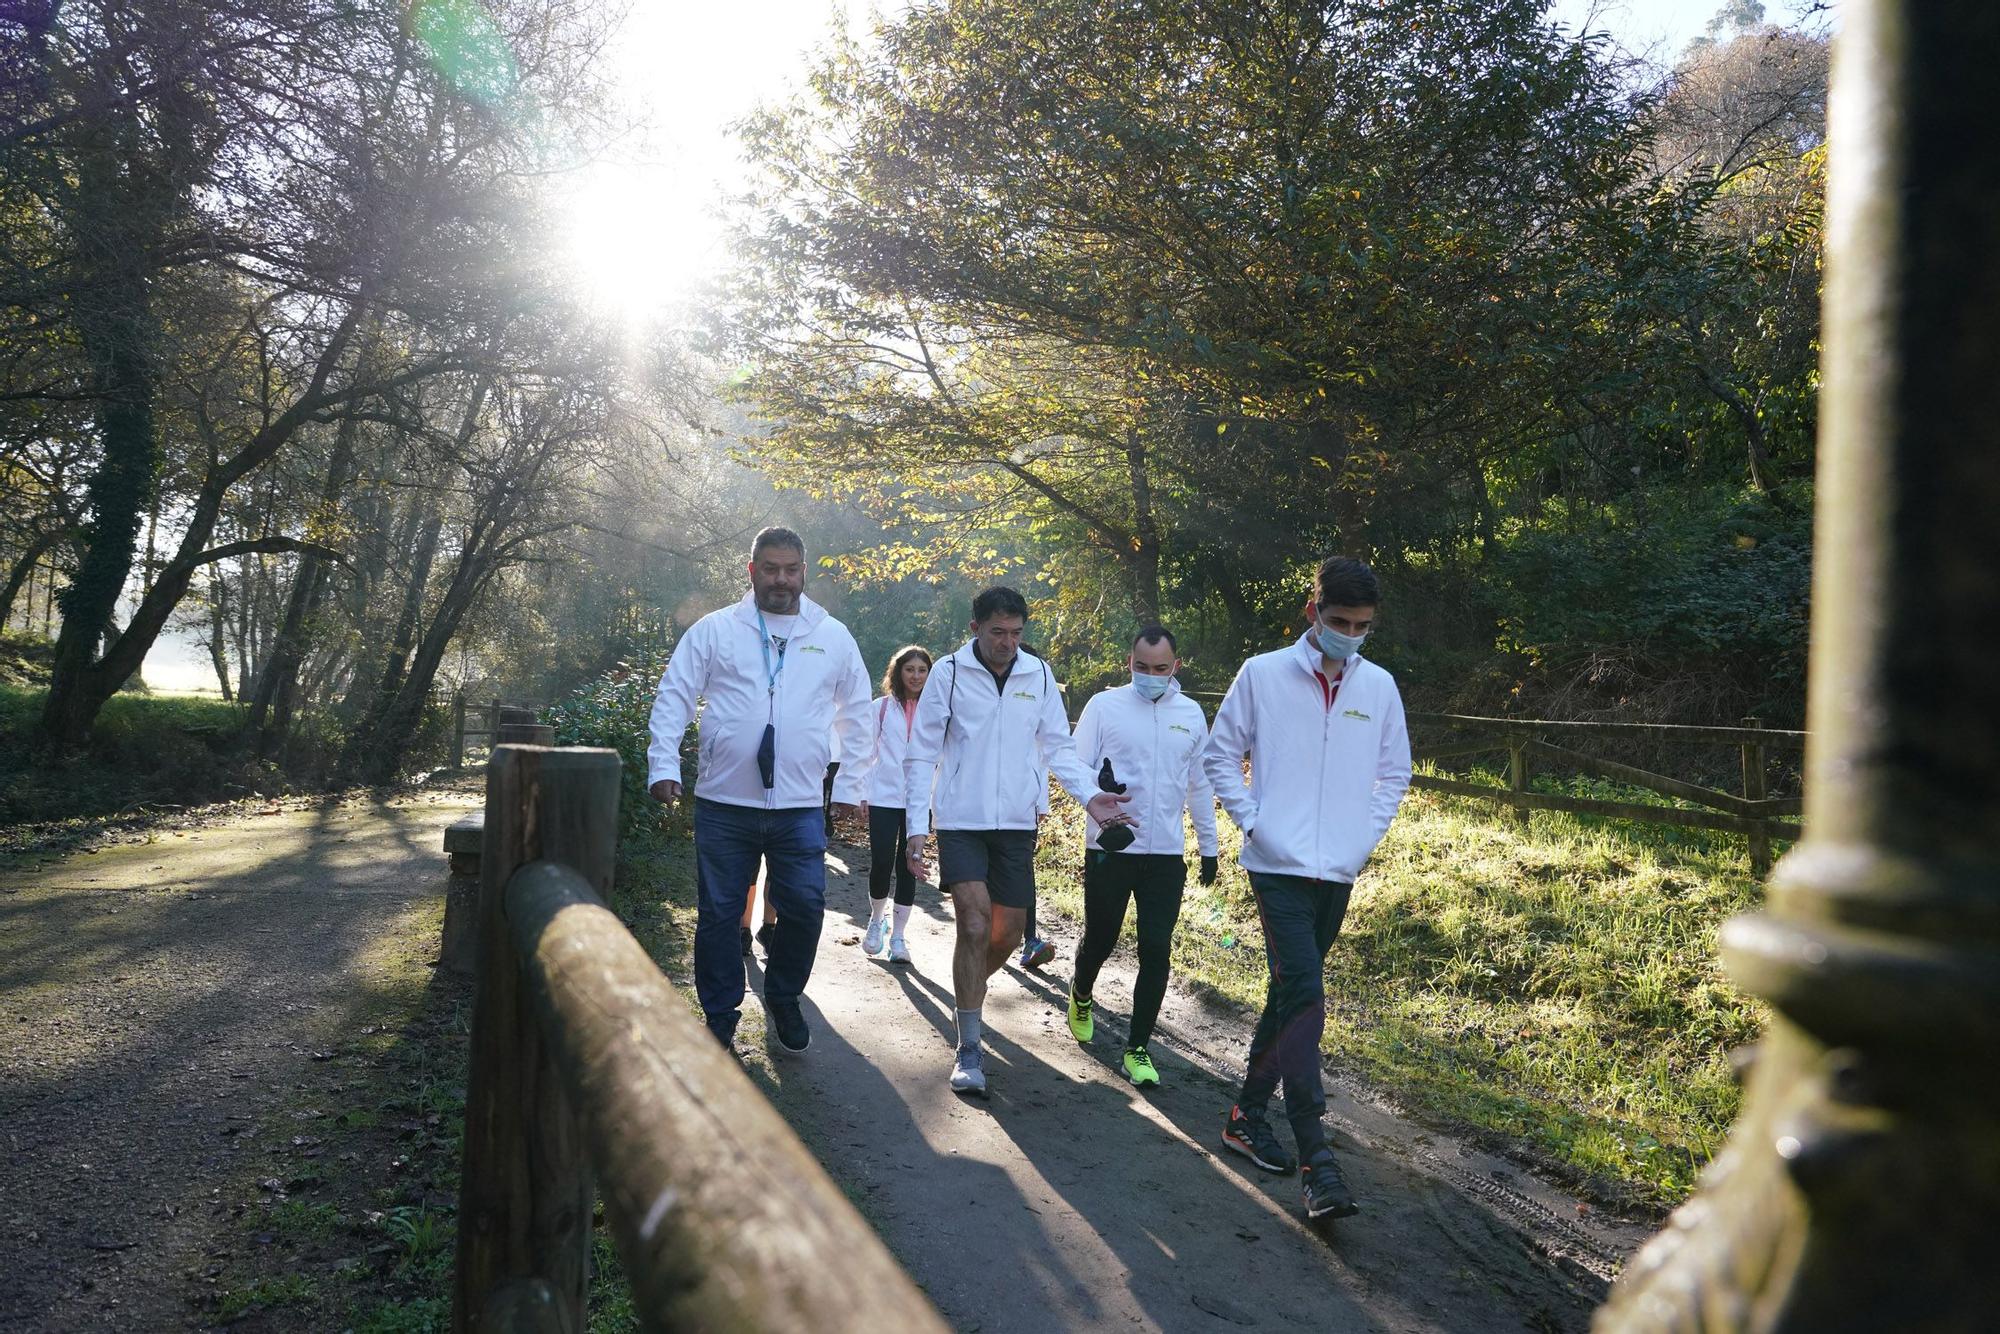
<point>888,834</point>
<point>1110,881</point>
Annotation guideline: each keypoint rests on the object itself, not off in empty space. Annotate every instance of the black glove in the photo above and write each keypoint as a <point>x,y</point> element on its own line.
<point>1208,870</point>
<point>1115,837</point>
<point>1106,782</point>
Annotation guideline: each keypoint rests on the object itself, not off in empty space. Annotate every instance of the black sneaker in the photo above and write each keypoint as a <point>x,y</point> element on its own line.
<point>724,1028</point>
<point>764,934</point>
<point>746,942</point>
<point>1324,1189</point>
<point>1250,1134</point>
<point>790,1025</point>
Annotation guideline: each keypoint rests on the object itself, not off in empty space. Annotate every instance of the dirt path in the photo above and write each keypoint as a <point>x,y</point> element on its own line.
<point>1070,1202</point>
<point>162,1005</point>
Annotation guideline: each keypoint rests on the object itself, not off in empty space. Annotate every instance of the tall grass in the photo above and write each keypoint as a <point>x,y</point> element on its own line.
<point>1552,984</point>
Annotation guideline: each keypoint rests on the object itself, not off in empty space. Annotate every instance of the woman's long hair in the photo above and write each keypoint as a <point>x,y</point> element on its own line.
<point>892,680</point>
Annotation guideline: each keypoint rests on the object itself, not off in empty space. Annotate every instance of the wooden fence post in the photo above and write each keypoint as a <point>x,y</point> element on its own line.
<point>458,729</point>
<point>1753,790</point>
<point>1517,775</point>
<point>526,1194</point>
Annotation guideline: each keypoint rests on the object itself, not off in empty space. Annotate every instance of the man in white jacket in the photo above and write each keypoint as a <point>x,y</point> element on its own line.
<point>990,718</point>
<point>1147,737</point>
<point>1329,763</point>
<point>782,686</point>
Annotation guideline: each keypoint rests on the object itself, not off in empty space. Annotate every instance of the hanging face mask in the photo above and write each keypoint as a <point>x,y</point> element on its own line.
<point>1335,645</point>
<point>1148,686</point>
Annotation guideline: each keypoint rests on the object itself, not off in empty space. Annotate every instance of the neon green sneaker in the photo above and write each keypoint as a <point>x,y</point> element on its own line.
<point>1139,1067</point>
<point>1082,1022</point>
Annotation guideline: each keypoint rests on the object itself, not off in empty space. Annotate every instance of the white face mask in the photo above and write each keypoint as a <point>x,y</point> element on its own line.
<point>1150,686</point>
<point>1335,645</point>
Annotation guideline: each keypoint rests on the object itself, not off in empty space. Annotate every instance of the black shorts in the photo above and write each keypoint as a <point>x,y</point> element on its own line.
<point>1003,858</point>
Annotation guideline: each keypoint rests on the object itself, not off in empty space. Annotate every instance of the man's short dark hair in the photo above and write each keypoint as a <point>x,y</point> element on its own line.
<point>777,537</point>
<point>1346,582</point>
<point>1153,634</point>
<point>999,601</point>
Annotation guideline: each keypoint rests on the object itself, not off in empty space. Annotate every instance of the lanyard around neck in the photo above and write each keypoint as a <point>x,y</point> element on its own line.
<point>771,674</point>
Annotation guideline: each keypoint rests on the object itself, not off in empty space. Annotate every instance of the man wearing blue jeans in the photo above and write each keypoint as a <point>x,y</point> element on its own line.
<point>1329,763</point>
<point>783,688</point>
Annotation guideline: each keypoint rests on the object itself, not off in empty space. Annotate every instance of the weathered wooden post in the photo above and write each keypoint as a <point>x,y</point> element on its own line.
<point>1517,774</point>
<point>458,729</point>
<point>1754,790</point>
<point>526,1196</point>
<point>1861,1187</point>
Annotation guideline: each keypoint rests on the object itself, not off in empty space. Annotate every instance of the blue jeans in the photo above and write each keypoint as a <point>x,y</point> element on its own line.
<point>728,840</point>
<point>1301,918</point>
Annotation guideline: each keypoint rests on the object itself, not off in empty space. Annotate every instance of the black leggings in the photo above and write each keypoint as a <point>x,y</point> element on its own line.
<point>1110,881</point>
<point>888,834</point>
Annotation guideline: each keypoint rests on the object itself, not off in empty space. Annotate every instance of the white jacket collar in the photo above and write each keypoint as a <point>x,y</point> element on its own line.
<point>1314,660</point>
<point>810,612</point>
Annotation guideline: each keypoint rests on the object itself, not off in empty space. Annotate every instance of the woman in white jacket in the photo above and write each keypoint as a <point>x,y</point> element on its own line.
<point>888,825</point>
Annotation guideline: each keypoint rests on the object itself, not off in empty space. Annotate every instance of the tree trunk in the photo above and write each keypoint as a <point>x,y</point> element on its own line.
<point>401,712</point>
<point>23,569</point>
<point>118,496</point>
<point>218,652</point>
<point>1143,564</point>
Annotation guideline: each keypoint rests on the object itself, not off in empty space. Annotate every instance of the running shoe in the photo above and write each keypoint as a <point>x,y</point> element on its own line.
<point>764,934</point>
<point>789,1025</point>
<point>877,937</point>
<point>746,942</point>
<point>1139,1067</point>
<point>1324,1190</point>
<point>899,951</point>
<point>1082,1020</point>
<point>968,1072</point>
<point>1249,1134</point>
<point>1036,952</point>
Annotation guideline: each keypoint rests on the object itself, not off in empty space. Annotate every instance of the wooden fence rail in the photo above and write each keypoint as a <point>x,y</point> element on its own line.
<point>588,1067</point>
<point>495,721</point>
<point>1754,813</point>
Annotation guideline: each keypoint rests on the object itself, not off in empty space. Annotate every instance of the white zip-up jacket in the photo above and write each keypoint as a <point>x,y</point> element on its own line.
<point>1155,749</point>
<point>1325,779</point>
<point>987,748</point>
<point>818,705</point>
<point>889,731</point>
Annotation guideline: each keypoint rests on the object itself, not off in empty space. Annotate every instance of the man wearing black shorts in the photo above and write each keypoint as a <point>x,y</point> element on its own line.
<point>988,722</point>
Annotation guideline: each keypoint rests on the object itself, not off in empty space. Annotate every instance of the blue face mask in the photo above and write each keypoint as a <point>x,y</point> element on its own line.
<point>1150,687</point>
<point>1335,645</point>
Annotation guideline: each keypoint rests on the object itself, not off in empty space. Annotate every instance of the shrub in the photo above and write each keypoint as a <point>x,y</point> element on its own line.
<point>614,711</point>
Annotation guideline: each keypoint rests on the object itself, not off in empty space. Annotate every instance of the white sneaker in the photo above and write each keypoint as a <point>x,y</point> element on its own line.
<point>968,1072</point>
<point>878,935</point>
<point>899,950</point>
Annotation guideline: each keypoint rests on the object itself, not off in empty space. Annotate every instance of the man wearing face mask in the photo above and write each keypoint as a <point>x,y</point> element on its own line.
<point>1329,763</point>
<point>783,692</point>
<point>1146,737</point>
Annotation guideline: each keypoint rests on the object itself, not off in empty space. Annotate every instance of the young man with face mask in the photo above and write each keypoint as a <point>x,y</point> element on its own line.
<point>1329,763</point>
<point>1146,737</point>
<point>989,720</point>
<point>783,690</point>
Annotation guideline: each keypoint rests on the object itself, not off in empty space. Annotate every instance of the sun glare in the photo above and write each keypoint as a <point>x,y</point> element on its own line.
<point>635,241</point>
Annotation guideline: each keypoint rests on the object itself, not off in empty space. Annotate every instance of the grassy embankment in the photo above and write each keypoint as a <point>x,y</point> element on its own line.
<point>151,752</point>
<point>1551,987</point>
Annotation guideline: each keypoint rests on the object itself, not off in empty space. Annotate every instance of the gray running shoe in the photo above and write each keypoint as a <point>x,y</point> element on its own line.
<point>968,1073</point>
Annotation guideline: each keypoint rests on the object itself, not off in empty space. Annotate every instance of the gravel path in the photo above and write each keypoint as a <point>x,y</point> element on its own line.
<point>1069,1201</point>
<point>161,1003</point>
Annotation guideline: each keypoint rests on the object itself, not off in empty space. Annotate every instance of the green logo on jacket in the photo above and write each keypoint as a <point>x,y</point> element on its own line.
<point>1356,713</point>
<point>1176,727</point>
<point>1026,694</point>
<point>812,648</point>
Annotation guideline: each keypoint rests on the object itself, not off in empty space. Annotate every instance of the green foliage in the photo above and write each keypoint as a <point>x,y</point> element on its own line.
<point>1623,609</point>
<point>287,1290</point>
<point>25,659</point>
<point>614,711</point>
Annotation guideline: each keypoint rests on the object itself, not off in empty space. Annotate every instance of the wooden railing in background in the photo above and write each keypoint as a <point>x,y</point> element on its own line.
<point>590,1073</point>
<point>1753,813</point>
